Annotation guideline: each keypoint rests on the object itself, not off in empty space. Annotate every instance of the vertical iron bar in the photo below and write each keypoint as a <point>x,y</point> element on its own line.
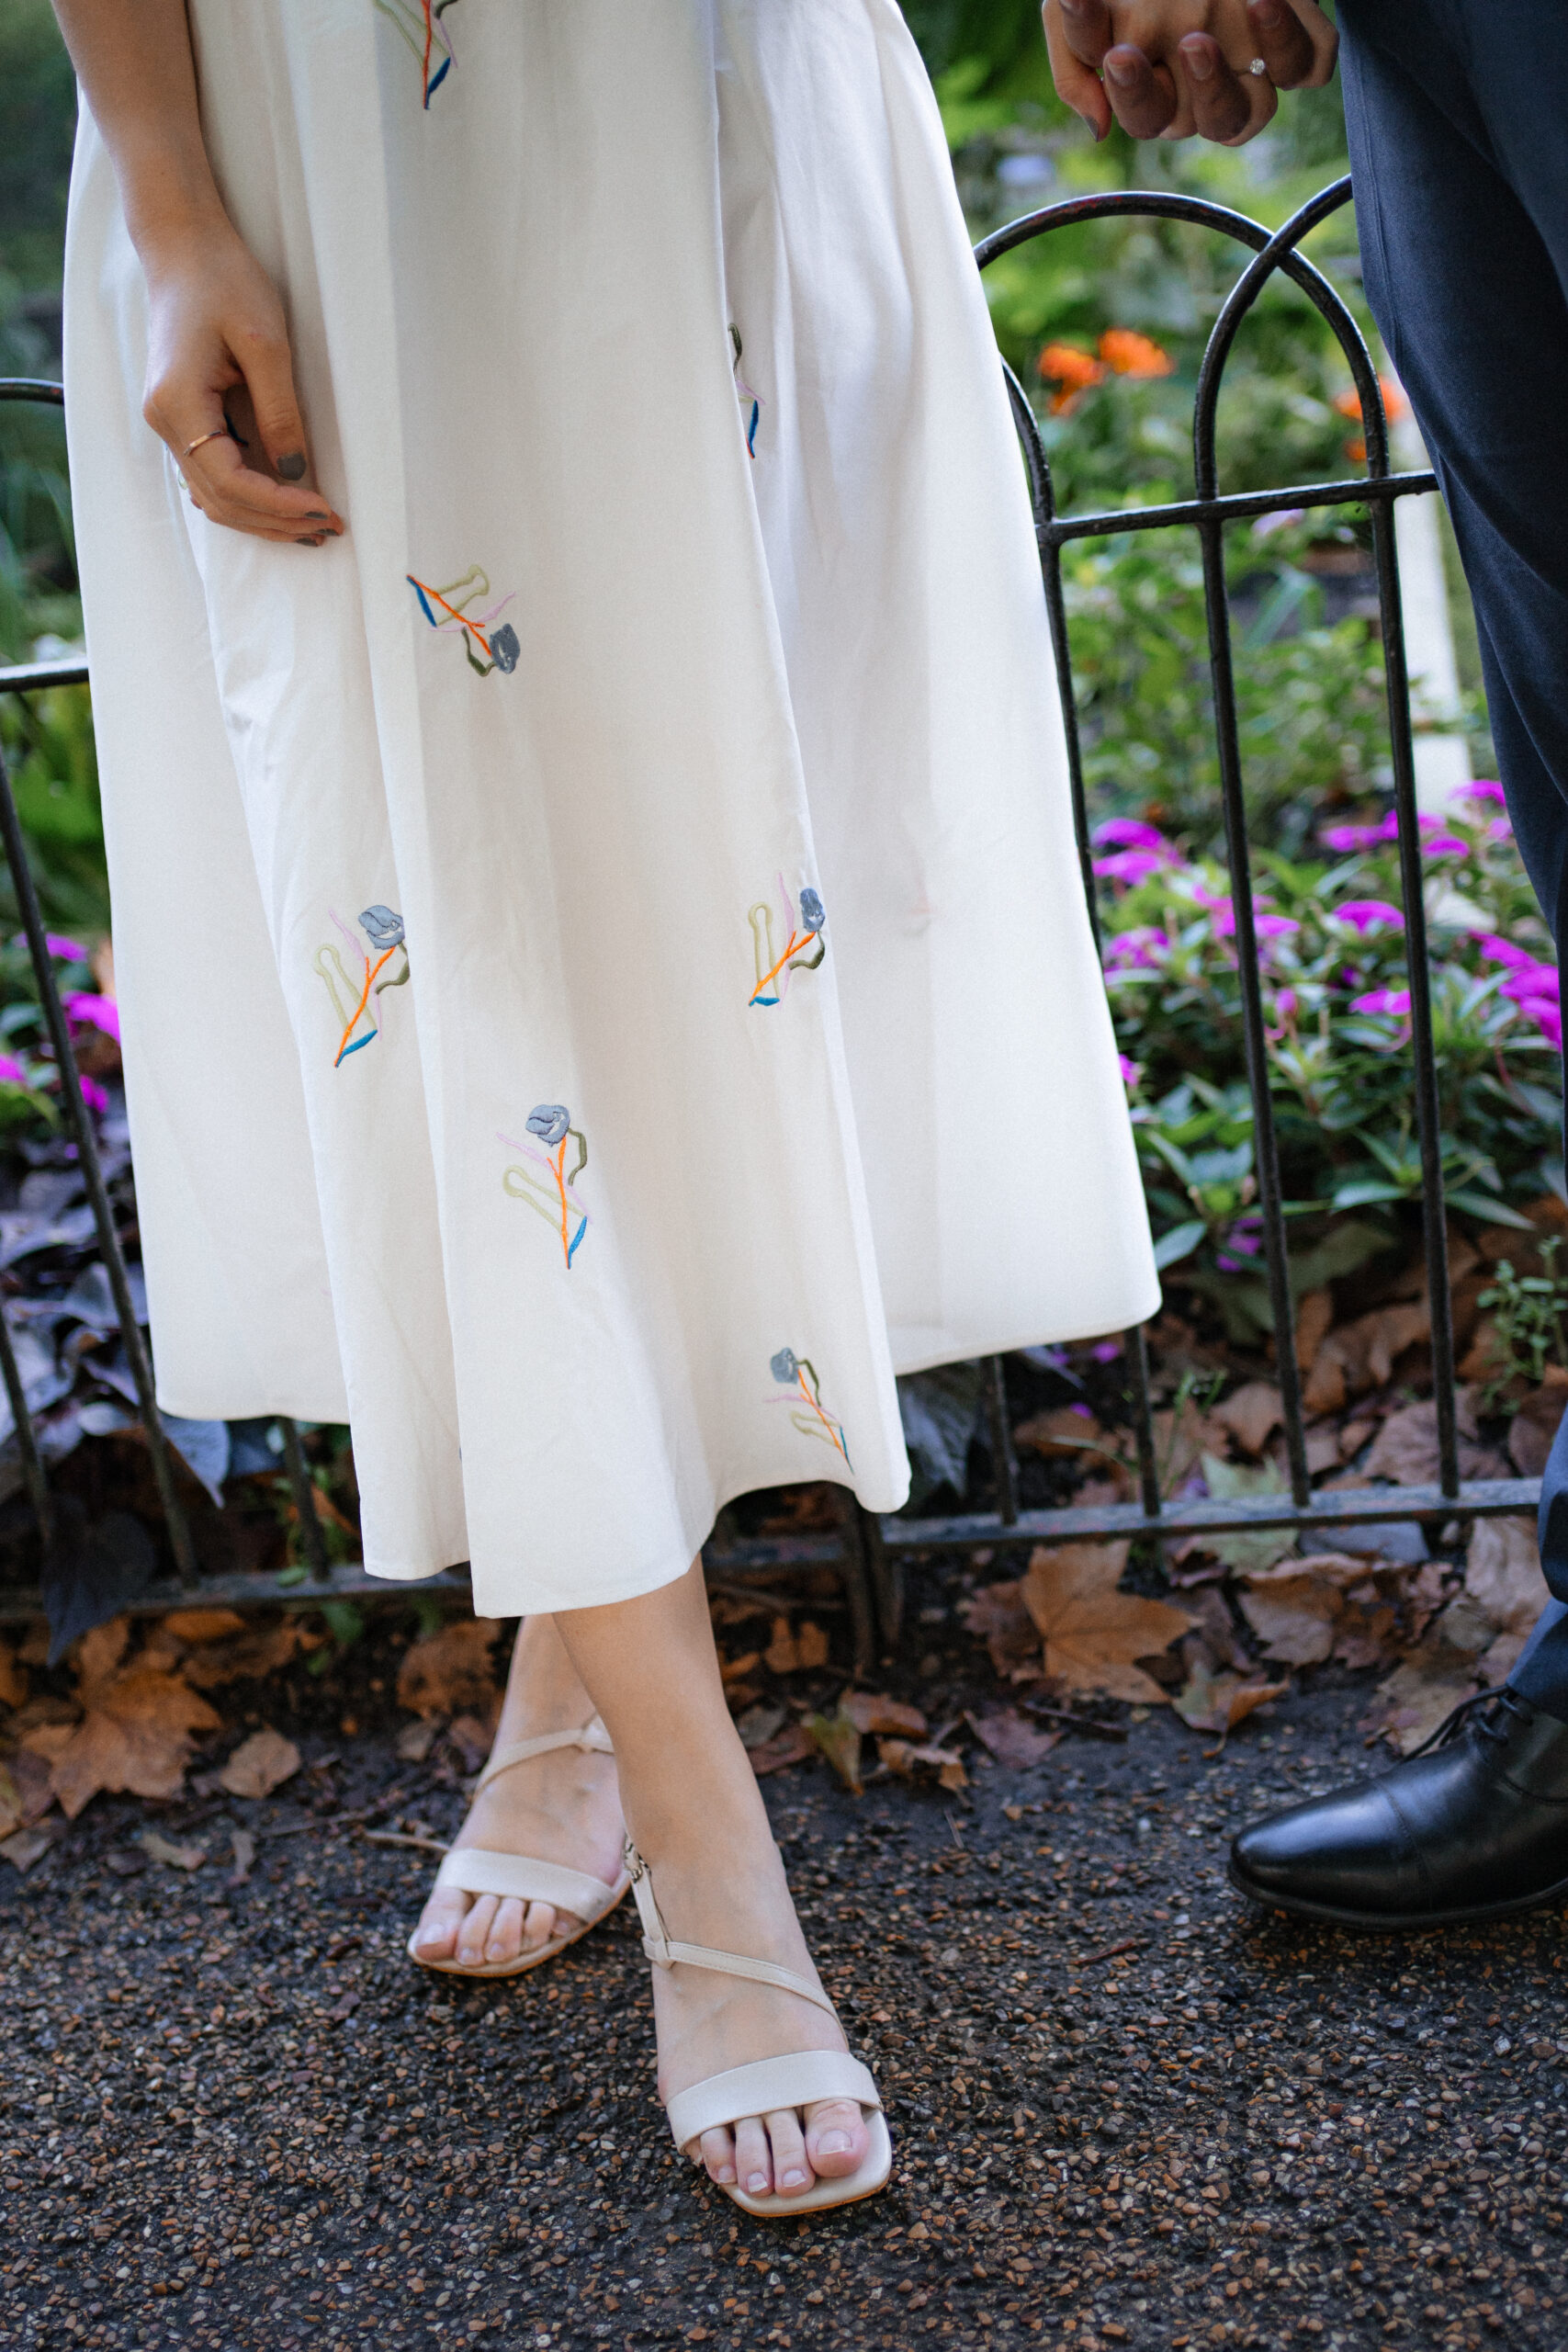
<point>1428,1104</point>
<point>1142,1420</point>
<point>886,1573</point>
<point>1057,610</point>
<point>26,1440</point>
<point>1265,1153</point>
<point>1004,1460</point>
<point>313,1539</point>
<point>856,1584</point>
<point>81,1127</point>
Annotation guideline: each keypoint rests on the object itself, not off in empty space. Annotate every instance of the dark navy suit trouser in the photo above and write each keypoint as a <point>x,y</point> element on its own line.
<point>1458,118</point>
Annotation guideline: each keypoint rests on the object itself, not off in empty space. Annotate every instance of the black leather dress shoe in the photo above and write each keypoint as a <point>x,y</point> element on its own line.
<point>1472,1826</point>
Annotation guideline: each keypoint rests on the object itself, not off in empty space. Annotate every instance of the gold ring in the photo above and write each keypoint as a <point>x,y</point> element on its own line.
<point>219,433</point>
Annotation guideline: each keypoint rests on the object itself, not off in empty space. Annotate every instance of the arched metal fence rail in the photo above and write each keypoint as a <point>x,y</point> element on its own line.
<point>870,1553</point>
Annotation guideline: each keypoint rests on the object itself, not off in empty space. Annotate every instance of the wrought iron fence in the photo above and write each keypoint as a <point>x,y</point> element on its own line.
<point>869,1553</point>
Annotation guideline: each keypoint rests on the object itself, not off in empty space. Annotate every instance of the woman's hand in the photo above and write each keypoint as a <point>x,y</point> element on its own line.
<point>1175,67</point>
<point>220,387</point>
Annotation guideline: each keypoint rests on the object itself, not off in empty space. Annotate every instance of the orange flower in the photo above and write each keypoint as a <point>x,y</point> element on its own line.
<point>1348,403</point>
<point>1064,363</point>
<point>1130,354</point>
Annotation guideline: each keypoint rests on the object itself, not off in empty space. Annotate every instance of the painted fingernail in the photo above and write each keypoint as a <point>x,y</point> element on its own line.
<point>835,2143</point>
<point>1199,61</point>
<point>1119,71</point>
<point>292,468</point>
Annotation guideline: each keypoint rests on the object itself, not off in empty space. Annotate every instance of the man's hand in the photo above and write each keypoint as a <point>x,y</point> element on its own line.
<point>1171,68</point>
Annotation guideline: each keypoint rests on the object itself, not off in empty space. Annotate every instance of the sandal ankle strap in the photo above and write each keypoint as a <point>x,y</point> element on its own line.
<point>591,1736</point>
<point>666,1952</point>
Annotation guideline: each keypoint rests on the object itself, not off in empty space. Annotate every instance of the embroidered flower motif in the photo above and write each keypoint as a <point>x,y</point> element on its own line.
<point>418,24</point>
<point>353,999</point>
<point>448,608</point>
<point>805,945</point>
<point>550,1121</point>
<point>551,1192</point>
<point>796,1375</point>
<point>750,404</point>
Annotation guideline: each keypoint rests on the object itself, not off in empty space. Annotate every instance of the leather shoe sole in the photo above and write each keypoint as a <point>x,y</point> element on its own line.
<point>1388,1922</point>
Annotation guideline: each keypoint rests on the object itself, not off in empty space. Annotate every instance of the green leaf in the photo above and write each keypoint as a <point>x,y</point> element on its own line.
<point>1494,1212</point>
<point>1179,1242</point>
<point>1365,1189</point>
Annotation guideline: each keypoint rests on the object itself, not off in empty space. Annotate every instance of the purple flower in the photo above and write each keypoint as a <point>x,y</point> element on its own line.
<point>1286,1004</point>
<point>1498,950</point>
<point>1131,1071</point>
<point>70,950</point>
<point>1266,524</point>
<point>1486,788</point>
<point>1548,1019</point>
<point>11,1070</point>
<point>1105,1351</point>
<point>1126,832</point>
<point>1134,950</point>
<point>1274,926</point>
<point>1130,865</point>
<point>1355,837</point>
<point>95,1013</point>
<point>1368,914</point>
<point>1394,1001</point>
<point>94,1096</point>
<point>1444,846</point>
<point>1533,981</point>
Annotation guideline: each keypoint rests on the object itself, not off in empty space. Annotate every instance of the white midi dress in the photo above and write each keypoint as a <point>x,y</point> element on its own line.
<point>604,972</point>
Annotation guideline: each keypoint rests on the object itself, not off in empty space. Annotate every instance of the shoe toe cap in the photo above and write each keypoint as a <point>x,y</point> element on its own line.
<point>1346,1853</point>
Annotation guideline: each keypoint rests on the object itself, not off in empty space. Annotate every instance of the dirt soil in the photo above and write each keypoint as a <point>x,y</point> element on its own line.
<point>1125,2111</point>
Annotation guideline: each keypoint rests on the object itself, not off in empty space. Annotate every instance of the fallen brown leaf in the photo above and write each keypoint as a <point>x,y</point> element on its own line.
<point>1503,1577</point>
<point>24,1847</point>
<point>869,1714</point>
<point>838,1738</point>
<point>1535,1425</point>
<point>997,1613</point>
<point>10,1803</point>
<point>1212,1620</point>
<point>1220,1701</point>
<point>1004,1734</point>
<point>259,1765</point>
<point>255,1653</point>
<point>1092,1633</point>
<point>415,1742</point>
<point>910,1762</point>
<point>1315,1319</point>
<point>164,1849</point>
<point>1361,1355</point>
<point>472,1740</point>
<point>444,1673</point>
<point>792,1652</point>
<point>14,1685</point>
<point>1406,1447</point>
<point>1293,1612</point>
<point>1068,1433</point>
<point>1251,1413</point>
<point>198,1625</point>
<point>136,1732</point>
<point>790,1745</point>
<point>1415,1701</point>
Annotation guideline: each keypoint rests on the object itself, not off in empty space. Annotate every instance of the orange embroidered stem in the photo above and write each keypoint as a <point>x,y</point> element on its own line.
<point>560,1187</point>
<point>472,629</point>
<point>796,942</point>
<point>832,1433</point>
<point>370,972</point>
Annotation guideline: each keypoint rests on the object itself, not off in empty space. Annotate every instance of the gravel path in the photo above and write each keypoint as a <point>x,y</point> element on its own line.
<point>232,2115</point>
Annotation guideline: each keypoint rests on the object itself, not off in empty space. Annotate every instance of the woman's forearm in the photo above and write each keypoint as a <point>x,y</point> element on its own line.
<point>133,60</point>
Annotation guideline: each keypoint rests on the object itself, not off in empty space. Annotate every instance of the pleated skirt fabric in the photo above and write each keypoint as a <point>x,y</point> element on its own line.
<point>603,971</point>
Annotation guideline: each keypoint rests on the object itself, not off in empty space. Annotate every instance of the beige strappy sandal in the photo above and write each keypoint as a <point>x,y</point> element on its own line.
<point>798,2080</point>
<point>477,1869</point>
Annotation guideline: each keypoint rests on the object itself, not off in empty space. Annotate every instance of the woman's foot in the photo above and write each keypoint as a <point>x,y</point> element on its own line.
<point>729,1891</point>
<point>697,1815</point>
<point>562,1808</point>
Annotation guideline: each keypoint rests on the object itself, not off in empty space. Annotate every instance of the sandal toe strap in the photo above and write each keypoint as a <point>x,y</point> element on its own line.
<point>475,1870</point>
<point>799,2080</point>
<point>591,1736</point>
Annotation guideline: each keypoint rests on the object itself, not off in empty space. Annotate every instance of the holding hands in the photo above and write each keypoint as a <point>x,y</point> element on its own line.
<point>1166,69</point>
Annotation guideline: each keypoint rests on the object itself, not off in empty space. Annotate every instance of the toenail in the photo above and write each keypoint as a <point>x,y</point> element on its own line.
<point>756,2182</point>
<point>833,2143</point>
<point>794,2177</point>
<point>725,2172</point>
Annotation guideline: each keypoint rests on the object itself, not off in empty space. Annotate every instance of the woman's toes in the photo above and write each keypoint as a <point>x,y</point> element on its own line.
<point>506,1932</point>
<point>474,1933</point>
<point>539,1926</point>
<point>753,2161</point>
<point>835,2137</point>
<point>435,1938</point>
<point>715,2152</point>
<point>792,2172</point>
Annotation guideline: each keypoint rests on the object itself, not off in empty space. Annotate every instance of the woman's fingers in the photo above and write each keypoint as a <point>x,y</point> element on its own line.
<point>1142,96</point>
<point>229,490</point>
<point>1222,108</point>
<point>268,370</point>
<point>1296,42</point>
<point>1077,83</point>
